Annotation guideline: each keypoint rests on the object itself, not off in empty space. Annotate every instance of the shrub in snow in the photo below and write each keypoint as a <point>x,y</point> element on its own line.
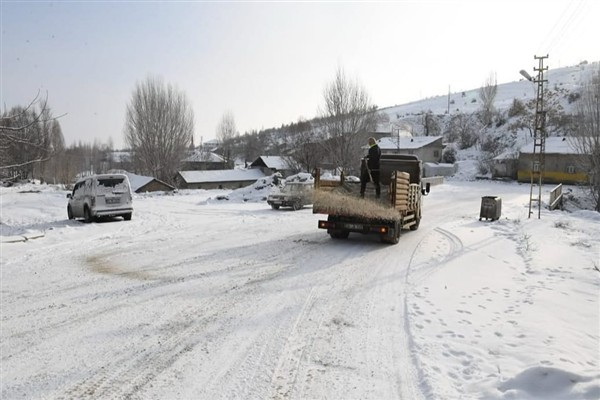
<point>449,155</point>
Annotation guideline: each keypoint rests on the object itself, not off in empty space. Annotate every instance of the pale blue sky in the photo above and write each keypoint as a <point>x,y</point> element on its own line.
<point>269,62</point>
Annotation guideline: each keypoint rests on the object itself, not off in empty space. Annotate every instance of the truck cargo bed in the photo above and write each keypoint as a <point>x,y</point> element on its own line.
<point>346,201</point>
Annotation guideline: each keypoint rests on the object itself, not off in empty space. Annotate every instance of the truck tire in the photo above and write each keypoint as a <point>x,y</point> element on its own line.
<point>394,239</point>
<point>339,234</point>
<point>415,226</point>
<point>127,217</point>
<point>274,206</point>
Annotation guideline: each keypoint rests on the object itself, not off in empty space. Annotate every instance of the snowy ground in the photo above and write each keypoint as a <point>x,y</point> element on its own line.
<point>200,298</point>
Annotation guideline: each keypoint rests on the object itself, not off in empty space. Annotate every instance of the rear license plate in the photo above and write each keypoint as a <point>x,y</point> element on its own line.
<point>354,226</point>
<point>112,200</point>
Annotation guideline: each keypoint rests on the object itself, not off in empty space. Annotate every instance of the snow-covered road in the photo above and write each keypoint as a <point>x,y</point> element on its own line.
<point>199,298</point>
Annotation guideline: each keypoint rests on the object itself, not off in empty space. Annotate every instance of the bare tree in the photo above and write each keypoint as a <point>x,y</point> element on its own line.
<point>431,125</point>
<point>226,132</point>
<point>463,129</point>
<point>487,95</point>
<point>159,125</point>
<point>26,139</point>
<point>557,121</point>
<point>586,135</point>
<point>51,169</point>
<point>303,150</point>
<point>347,118</point>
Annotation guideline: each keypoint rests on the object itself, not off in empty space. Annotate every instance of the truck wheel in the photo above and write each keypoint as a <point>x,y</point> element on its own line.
<point>127,217</point>
<point>274,206</point>
<point>339,234</point>
<point>416,225</point>
<point>394,239</point>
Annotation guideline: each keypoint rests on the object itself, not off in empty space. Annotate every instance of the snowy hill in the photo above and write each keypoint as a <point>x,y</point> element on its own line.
<point>566,79</point>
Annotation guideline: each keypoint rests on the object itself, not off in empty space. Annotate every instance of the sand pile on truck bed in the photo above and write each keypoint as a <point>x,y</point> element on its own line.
<point>339,202</point>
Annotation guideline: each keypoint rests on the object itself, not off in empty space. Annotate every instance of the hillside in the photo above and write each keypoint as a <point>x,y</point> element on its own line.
<point>454,116</point>
<point>566,80</point>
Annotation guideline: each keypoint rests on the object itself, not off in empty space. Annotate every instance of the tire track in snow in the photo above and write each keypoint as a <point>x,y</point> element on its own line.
<point>186,332</point>
<point>285,376</point>
<point>416,273</point>
<point>334,322</point>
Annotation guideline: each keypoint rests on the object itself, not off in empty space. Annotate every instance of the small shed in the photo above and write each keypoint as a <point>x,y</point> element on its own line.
<point>218,179</point>
<point>426,148</point>
<point>271,164</point>
<point>562,162</point>
<point>143,184</point>
<point>504,166</point>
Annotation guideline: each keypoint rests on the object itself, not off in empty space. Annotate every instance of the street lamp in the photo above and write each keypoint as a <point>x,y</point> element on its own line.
<point>526,75</point>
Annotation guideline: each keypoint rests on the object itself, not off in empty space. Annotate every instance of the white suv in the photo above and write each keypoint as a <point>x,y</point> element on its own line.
<point>106,195</point>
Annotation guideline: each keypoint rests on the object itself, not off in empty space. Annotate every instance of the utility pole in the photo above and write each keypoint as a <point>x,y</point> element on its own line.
<point>539,137</point>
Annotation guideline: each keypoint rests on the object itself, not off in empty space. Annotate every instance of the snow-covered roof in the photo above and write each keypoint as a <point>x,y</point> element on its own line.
<point>553,145</point>
<point>392,128</point>
<point>120,156</point>
<point>137,181</point>
<point>200,156</point>
<point>415,142</point>
<point>507,155</point>
<point>222,175</point>
<point>273,162</point>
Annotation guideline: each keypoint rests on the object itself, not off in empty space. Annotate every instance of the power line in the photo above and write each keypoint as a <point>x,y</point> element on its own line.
<point>573,12</point>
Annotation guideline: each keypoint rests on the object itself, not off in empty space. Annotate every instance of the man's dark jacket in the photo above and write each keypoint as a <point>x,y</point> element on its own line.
<point>373,157</point>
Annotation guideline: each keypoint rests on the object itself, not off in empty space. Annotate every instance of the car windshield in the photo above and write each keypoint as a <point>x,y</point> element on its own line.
<point>295,188</point>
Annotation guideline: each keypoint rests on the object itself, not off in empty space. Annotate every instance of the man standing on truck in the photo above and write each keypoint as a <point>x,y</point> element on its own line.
<point>370,168</point>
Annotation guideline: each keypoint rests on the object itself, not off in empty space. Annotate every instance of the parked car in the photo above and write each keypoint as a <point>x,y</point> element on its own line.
<point>95,196</point>
<point>293,194</point>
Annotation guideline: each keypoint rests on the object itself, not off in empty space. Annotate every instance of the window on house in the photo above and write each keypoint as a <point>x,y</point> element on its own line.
<point>570,169</point>
<point>536,166</point>
<point>436,153</point>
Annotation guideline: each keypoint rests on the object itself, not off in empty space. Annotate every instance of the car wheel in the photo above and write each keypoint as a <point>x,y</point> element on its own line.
<point>87,216</point>
<point>69,212</point>
<point>297,205</point>
<point>127,217</point>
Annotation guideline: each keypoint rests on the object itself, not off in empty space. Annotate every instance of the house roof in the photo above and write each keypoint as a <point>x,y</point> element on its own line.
<point>553,145</point>
<point>139,181</point>
<point>273,162</point>
<point>120,156</point>
<point>222,175</point>
<point>200,156</point>
<point>415,142</point>
<point>390,128</point>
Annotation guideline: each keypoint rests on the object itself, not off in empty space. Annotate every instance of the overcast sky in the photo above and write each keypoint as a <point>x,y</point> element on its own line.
<point>268,63</point>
